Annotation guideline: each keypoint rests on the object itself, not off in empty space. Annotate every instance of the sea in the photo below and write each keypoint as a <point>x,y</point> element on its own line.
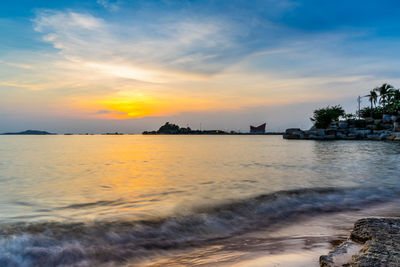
<point>187,200</point>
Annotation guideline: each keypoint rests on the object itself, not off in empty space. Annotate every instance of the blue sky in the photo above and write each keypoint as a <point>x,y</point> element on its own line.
<point>93,66</point>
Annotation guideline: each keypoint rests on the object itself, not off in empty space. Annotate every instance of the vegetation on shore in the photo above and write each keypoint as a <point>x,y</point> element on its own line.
<point>170,128</point>
<point>384,100</point>
<point>379,121</point>
<point>323,117</point>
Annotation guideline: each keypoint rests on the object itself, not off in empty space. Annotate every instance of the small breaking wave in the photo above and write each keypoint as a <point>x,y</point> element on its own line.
<point>107,242</point>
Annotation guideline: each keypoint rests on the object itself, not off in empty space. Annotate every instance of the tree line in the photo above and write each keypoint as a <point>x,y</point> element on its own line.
<point>384,99</point>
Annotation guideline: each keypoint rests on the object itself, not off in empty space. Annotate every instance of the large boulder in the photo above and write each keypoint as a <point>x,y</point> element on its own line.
<point>387,126</point>
<point>384,136</point>
<point>341,135</point>
<point>373,137</point>
<point>330,137</point>
<point>293,133</point>
<point>352,136</point>
<point>362,133</point>
<point>331,131</point>
<point>373,242</point>
<point>396,127</point>
<point>387,118</point>
<point>343,124</point>
<point>317,132</point>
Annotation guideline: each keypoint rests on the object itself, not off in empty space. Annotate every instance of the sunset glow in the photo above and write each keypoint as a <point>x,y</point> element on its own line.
<point>196,133</point>
<point>123,60</point>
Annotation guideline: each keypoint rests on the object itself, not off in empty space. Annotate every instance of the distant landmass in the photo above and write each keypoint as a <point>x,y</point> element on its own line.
<point>169,128</point>
<point>30,132</point>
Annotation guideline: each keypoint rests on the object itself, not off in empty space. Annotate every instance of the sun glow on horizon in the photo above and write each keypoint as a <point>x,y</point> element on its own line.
<point>129,105</point>
<point>83,61</point>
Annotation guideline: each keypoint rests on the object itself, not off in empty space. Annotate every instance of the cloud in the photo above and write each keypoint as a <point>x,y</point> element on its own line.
<point>16,65</point>
<point>184,44</point>
<point>195,48</point>
<point>112,6</point>
<point>102,112</point>
<point>155,59</point>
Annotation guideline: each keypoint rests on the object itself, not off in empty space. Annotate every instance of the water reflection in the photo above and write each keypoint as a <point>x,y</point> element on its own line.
<point>121,199</point>
<point>146,176</point>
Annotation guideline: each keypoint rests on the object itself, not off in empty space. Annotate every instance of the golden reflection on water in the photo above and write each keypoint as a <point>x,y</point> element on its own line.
<point>134,176</point>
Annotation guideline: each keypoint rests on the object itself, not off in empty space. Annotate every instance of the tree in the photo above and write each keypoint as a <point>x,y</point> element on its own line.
<point>323,117</point>
<point>169,128</point>
<point>373,98</point>
<point>384,93</point>
<point>349,116</point>
<point>394,101</point>
<point>376,112</point>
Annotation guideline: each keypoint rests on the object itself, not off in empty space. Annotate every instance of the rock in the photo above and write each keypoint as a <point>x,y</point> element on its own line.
<point>333,125</point>
<point>387,126</point>
<point>372,127</point>
<point>351,137</point>
<point>381,238</point>
<point>330,137</point>
<point>360,123</point>
<point>396,127</point>
<point>380,241</point>
<point>341,255</point>
<point>369,120</point>
<point>317,132</point>
<point>317,137</point>
<point>362,133</point>
<point>343,124</point>
<point>293,133</point>
<point>292,136</point>
<point>386,118</point>
<point>352,130</point>
<point>390,138</point>
<point>340,135</point>
<point>373,137</point>
<point>384,136</point>
<point>330,131</point>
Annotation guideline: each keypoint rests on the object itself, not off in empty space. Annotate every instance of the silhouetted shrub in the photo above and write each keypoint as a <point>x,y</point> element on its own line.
<point>323,117</point>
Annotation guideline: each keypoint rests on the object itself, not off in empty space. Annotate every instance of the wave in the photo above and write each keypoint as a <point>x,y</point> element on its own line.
<point>107,242</point>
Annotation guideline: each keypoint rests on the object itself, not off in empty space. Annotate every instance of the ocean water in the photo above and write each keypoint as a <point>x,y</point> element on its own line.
<point>187,200</point>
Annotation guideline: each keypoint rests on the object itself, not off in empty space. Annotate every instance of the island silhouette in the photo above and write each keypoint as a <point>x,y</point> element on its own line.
<point>30,132</point>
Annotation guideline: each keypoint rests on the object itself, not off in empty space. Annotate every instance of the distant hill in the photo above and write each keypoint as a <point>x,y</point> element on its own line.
<point>30,132</point>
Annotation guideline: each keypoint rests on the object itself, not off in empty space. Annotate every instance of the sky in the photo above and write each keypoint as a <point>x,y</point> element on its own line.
<point>129,66</point>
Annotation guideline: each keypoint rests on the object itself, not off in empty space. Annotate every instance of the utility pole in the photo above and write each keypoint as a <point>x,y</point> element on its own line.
<point>359,105</point>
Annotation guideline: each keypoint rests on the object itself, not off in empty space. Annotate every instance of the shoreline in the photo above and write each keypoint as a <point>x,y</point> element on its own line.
<point>331,134</point>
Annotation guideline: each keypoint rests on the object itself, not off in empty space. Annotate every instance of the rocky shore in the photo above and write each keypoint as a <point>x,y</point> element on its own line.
<point>337,134</point>
<point>367,129</point>
<point>372,242</point>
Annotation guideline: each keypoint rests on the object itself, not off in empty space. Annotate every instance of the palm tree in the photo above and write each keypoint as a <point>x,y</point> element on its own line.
<point>394,100</point>
<point>373,98</point>
<point>384,92</point>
